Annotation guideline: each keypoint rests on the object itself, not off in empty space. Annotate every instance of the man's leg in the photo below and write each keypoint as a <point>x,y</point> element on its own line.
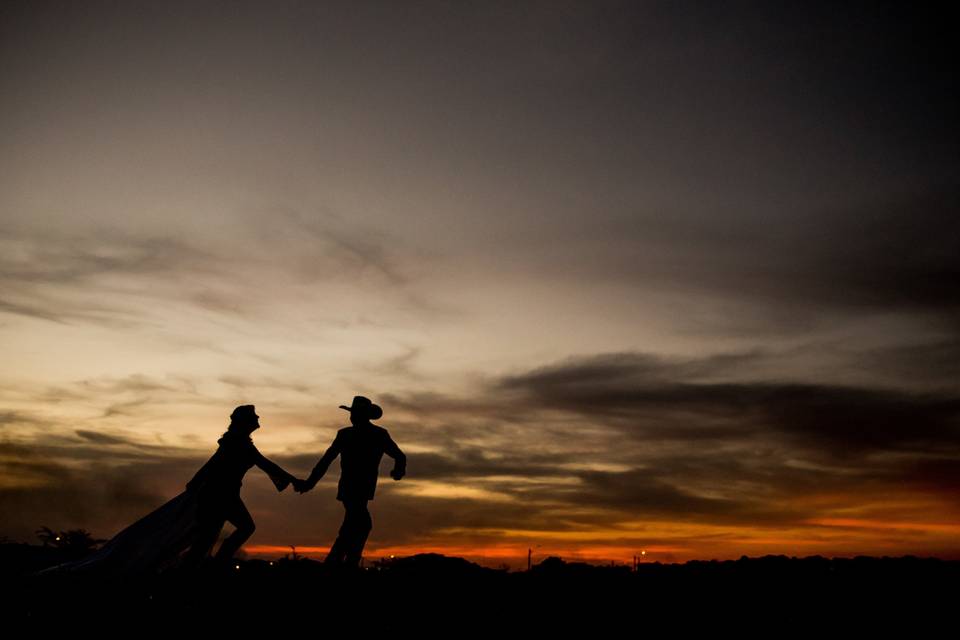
<point>338,551</point>
<point>361,524</point>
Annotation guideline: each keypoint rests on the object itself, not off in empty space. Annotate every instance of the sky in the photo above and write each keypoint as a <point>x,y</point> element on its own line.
<point>624,276</point>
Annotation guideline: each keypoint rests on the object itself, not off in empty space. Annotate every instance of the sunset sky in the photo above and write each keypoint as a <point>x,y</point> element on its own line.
<point>623,276</point>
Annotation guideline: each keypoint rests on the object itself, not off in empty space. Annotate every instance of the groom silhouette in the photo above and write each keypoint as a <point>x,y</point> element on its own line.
<point>360,448</point>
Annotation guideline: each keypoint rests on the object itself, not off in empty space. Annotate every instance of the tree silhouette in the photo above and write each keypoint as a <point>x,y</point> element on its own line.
<point>76,542</point>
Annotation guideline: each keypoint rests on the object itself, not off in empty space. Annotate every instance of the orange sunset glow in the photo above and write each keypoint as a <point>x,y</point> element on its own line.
<point>626,282</point>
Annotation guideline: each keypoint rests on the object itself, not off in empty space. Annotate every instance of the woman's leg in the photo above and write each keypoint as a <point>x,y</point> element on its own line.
<point>210,521</point>
<point>239,517</point>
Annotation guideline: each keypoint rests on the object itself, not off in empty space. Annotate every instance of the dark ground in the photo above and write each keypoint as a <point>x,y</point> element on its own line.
<point>434,595</point>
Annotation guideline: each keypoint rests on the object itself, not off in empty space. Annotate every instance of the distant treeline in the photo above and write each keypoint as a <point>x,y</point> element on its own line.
<point>769,590</point>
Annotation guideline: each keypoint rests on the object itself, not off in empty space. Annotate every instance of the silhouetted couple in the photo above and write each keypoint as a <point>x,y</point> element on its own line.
<point>192,521</point>
<point>360,448</point>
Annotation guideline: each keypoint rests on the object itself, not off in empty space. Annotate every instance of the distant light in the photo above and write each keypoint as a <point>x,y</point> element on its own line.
<point>271,563</point>
<point>58,539</point>
<point>643,553</point>
<point>392,556</point>
<point>237,567</point>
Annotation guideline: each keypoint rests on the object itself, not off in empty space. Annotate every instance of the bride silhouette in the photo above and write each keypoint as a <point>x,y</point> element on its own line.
<point>192,521</point>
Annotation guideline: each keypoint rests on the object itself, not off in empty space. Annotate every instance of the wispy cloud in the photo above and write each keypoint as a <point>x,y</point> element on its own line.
<point>117,277</point>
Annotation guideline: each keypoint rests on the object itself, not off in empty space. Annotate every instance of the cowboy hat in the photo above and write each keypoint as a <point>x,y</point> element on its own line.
<point>364,407</point>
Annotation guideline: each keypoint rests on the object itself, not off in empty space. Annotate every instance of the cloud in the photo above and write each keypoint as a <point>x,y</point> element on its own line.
<point>938,474</point>
<point>114,277</point>
<point>935,363</point>
<point>783,271</point>
<point>100,438</point>
<point>95,404</point>
<point>603,442</point>
<point>327,245</point>
<point>634,435</point>
<point>651,397</point>
<point>267,383</point>
<point>92,277</point>
<point>40,488</point>
<point>8,417</point>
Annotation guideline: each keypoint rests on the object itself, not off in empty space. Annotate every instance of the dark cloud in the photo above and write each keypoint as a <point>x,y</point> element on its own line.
<point>937,474</point>
<point>101,438</point>
<point>466,463</point>
<point>691,449</point>
<point>899,254</point>
<point>99,498</point>
<point>858,420</point>
<point>651,397</point>
<point>8,417</point>
<point>774,271</point>
<point>653,494</point>
<point>935,364</point>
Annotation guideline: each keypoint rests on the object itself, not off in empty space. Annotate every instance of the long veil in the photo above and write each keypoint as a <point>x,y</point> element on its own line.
<point>150,544</point>
<point>157,540</point>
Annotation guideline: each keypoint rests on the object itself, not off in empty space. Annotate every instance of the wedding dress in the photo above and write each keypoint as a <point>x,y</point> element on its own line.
<point>159,539</point>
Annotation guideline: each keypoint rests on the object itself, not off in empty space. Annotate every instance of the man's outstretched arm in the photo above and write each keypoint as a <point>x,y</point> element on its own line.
<point>321,467</point>
<point>399,459</point>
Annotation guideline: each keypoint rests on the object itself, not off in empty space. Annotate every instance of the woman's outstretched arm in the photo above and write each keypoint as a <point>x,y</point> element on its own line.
<point>280,477</point>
